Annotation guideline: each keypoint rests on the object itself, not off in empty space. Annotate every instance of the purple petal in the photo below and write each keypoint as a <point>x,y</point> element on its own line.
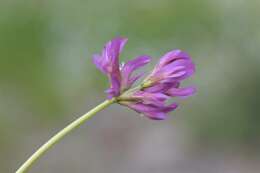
<point>153,112</point>
<point>177,70</point>
<point>155,88</point>
<point>132,80</point>
<point>175,65</point>
<point>181,92</point>
<point>129,67</point>
<point>108,63</point>
<point>162,87</point>
<point>132,65</point>
<point>170,107</point>
<point>156,115</point>
<point>160,114</point>
<point>112,50</point>
<point>97,60</point>
<point>190,70</point>
<point>141,108</point>
<point>149,111</point>
<point>151,98</point>
<point>115,86</point>
<point>171,56</point>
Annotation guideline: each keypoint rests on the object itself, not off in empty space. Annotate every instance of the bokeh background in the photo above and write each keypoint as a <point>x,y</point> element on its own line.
<point>47,79</point>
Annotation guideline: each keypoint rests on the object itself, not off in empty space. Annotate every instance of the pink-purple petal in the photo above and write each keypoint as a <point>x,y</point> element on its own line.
<point>149,111</point>
<point>113,48</point>
<point>152,111</point>
<point>97,60</point>
<point>181,92</point>
<point>156,115</point>
<point>129,67</point>
<point>171,56</point>
<point>170,107</point>
<point>133,79</point>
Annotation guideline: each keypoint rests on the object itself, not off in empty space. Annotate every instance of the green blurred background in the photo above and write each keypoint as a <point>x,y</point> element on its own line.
<point>47,79</point>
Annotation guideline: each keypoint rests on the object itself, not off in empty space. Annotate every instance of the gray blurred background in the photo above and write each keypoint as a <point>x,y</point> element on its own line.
<point>47,79</point>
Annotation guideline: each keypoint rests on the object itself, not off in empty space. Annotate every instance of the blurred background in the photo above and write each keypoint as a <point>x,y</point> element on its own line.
<point>47,79</point>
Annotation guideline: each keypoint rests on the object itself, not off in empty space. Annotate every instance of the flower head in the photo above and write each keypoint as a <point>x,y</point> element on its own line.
<point>150,98</point>
<point>108,63</point>
<point>173,67</point>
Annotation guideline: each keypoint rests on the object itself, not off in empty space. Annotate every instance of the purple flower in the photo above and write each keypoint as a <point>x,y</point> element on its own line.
<point>174,66</point>
<point>149,104</point>
<point>151,96</point>
<point>151,101</point>
<point>162,84</point>
<point>108,62</point>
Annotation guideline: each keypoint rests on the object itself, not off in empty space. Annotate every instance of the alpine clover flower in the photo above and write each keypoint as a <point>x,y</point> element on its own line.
<point>150,98</point>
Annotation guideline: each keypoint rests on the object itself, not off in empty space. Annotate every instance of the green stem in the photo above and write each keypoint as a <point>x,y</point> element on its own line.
<point>61,134</point>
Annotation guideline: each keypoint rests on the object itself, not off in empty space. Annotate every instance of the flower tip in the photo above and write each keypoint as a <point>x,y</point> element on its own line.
<point>160,116</point>
<point>120,39</point>
<point>146,58</point>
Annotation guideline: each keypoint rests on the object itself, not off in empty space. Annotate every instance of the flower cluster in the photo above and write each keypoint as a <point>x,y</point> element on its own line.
<point>120,76</point>
<point>151,96</point>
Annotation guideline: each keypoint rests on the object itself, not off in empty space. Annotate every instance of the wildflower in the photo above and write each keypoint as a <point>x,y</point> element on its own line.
<point>150,98</point>
<point>173,67</point>
<point>108,62</point>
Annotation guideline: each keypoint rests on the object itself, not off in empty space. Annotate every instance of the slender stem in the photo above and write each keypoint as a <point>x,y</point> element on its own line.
<point>56,138</point>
